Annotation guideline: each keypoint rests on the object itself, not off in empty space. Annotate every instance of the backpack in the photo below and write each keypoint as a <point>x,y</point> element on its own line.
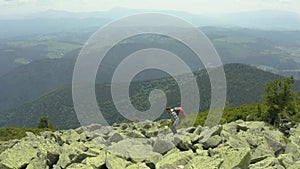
<point>180,112</point>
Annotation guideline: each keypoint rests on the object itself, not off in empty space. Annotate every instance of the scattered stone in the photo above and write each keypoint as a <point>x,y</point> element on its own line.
<point>148,145</point>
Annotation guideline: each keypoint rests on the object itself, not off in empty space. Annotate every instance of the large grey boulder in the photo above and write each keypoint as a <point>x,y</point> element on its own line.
<point>79,166</point>
<point>114,138</point>
<point>261,152</point>
<point>184,142</point>
<point>74,153</point>
<point>275,140</point>
<point>7,144</point>
<point>206,133</point>
<point>163,145</point>
<point>203,162</point>
<point>212,142</point>
<point>137,150</point>
<point>138,166</point>
<point>270,162</point>
<point>114,162</point>
<point>97,161</point>
<point>38,162</point>
<point>55,136</point>
<point>232,158</point>
<point>237,142</point>
<point>70,136</point>
<point>174,159</point>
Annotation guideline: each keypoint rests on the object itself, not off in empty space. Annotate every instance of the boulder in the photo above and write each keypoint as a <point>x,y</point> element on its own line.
<point>190,129</point>
<point>134,134</point>
<point>162,146</point>
<point>257,125</point>
<point>261,152</point>
<point>175,159</point>
<point>79,166</point>
<point>100,140</point>
<point>183,142</point>
<point>7,144</point>
<point>27,149</point>
<point>137,150</point>
<point>39,162</point>
<point>153,132</point>
<point>55,136</point>
<point>286,160</point>
<point>70,136</point>
<point>275,140</point>
<point>91,128</point>
<point>228,130</point>
<point>198,130</point>
<point>114,138</point>
<point>293,149</point>
<point>268,162</point>
<point>237,142</point>
<point>295,139</point>
<point>72,154</point>
<point>114,162</point>
<point>232,158</point>
<point>96,162</point>
<point>212,142</point>
<point>203,162</point>
<point>206,133</point>
<point>138,165</point>
<point>295,165</point>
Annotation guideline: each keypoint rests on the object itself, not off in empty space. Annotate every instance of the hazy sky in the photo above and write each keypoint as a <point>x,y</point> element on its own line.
<point>193,6</point>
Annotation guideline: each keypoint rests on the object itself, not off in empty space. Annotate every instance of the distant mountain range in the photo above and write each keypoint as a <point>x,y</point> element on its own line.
<point>245,85</point>
<point>55,21</point>
<point>275,51</point>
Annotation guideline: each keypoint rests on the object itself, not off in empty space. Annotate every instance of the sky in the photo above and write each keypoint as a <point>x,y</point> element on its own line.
<point>11,7</point>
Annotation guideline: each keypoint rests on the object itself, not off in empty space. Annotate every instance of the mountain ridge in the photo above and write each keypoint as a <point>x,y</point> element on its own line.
<point>245,85</point>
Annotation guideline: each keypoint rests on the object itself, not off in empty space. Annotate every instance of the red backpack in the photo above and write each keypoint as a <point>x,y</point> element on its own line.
<point>180,111</point>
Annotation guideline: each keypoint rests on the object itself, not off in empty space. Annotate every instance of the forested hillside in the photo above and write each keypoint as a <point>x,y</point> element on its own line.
<point>245,85</point>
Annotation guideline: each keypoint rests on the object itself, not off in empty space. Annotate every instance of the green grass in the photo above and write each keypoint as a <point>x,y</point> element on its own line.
<point>18,133</point>
<point>229,115</point>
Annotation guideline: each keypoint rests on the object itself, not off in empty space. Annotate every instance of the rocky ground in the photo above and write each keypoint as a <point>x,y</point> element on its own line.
<point>253,145</point>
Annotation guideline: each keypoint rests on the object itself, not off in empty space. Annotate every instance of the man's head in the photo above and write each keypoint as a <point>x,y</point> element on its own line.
<point>168,109</point>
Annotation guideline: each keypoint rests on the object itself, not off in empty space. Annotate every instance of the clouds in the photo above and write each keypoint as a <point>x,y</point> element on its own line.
<point>194,6</point>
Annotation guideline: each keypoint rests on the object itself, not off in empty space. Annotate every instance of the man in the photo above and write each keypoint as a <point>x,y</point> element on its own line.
<point>174,119</point>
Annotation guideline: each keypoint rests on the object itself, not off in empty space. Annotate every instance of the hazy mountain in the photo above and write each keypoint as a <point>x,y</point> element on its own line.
<point>245,84</point>
<point>31,81</point>
<point>264,19</point>
<point>56,21</point>
<point>275,51</point>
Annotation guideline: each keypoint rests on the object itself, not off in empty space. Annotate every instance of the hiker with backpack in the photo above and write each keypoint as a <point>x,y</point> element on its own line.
<point>177,115</point>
